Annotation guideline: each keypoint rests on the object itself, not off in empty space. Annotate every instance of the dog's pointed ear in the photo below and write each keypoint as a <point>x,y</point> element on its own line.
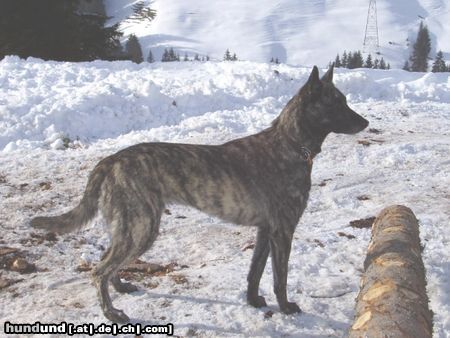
<point>328,76</point>
<point>314,85</point>
<point>314,76</point>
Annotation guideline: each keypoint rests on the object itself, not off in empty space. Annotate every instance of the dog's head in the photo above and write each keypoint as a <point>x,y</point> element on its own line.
<point>326,107</point>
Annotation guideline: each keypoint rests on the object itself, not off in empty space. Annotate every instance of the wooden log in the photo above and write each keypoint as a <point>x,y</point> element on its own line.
<point>392,301</point>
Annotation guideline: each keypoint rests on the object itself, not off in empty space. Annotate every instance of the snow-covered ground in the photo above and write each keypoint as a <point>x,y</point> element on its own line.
<point>295,32</point>
<point>57,120</point>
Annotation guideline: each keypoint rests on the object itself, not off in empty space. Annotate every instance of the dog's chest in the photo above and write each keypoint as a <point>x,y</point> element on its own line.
<point>291,181</point>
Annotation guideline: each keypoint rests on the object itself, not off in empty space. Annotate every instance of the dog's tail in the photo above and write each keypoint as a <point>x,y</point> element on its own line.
<point>81,214</point>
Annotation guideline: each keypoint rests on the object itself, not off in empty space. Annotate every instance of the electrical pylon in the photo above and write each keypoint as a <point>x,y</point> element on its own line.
<point>371,42</point>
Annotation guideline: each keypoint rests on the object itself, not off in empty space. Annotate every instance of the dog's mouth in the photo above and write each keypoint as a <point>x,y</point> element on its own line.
<point>351,126</point>
<point>362,124</point>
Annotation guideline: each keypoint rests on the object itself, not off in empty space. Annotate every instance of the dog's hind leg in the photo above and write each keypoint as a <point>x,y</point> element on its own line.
<point>257,266</point>
<point>135,225</point>
<point>280,248</point>
<point>119,286</point>
<point>117,255</point>
<point>149,232</point>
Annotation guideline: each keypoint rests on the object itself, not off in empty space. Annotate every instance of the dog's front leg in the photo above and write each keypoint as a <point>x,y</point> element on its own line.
<point>257,266</point>
<point>280,247</point>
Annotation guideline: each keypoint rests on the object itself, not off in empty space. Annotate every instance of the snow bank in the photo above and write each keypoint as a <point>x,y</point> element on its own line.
<point>50,104</point>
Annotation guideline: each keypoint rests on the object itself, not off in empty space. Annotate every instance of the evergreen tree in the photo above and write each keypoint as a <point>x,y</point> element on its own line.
<point>55,30</point>
<point>169,56</point>
<point>382,64</point>
<point>369,62</point>
<point>272,60</point>
<point>277,61</point>
<point>388,66</point>
<point>234,57</point>
<point>421,50</point>
<point>186,58</point>
<point>355,60</point>
<point>172,56</point>
<point>344,60</point>
<point>227,56</point>
<point>150,58</point>
<point>196,58</point>
<point>439,63</point>
<point>207,57</point>
<point>337,61</point>
<point>165,57</point>
<point>358,59</point>
<point>350,60</point>
<point>376,64</point>
<point>406,66</point>
<point>133,49</point>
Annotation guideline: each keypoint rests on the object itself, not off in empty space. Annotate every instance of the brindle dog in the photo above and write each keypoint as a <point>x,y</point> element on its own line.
<point>261,180</point>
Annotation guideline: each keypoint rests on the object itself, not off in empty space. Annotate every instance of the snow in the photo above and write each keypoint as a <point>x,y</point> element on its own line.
<point>304,32</point>
<point>57,120</point>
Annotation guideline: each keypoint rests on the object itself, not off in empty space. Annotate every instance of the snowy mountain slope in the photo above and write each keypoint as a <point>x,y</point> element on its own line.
<point>297,32</point>
<point>403,159</point>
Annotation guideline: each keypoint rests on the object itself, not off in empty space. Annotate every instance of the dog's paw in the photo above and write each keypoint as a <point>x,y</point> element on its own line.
<point>257,301</point>
<point>117,316</point>
<point>290,308</point>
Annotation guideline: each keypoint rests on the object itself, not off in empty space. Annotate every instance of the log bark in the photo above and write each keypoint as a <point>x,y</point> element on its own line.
<point>392,301</point>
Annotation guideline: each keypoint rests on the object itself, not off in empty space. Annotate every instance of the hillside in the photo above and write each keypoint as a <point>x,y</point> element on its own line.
<point>303,33</point>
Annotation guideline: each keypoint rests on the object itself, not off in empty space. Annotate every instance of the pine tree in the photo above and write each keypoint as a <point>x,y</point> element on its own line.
<point>207,57</point>
<point>382,64</point>
<point>439,63</point>
<point>376,64</point>
<point>277,61</point>
<point>55,30</point>
<point>172,55</point>
<point>388,66</point>
<point>196,57</point>
<point>406,66</point>
<point>350,60</point>
<point>150,58</point>
<point>344,60</point>
<point>358,59</point>
<point>165,57</point>
<point>337,61</point>
<point>272,60</point>
<point>227,56</point>
<point>186,58</point>
<point>355,60</point>
<point>421,50</point>
<point>369,62</point>
<point>234,57</point>
<point>133,49</point>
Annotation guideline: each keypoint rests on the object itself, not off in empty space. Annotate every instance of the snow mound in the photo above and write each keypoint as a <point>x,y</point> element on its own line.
<point>51,104</point>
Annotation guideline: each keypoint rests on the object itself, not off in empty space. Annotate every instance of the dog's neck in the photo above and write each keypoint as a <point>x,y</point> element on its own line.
<point>294,128</point>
